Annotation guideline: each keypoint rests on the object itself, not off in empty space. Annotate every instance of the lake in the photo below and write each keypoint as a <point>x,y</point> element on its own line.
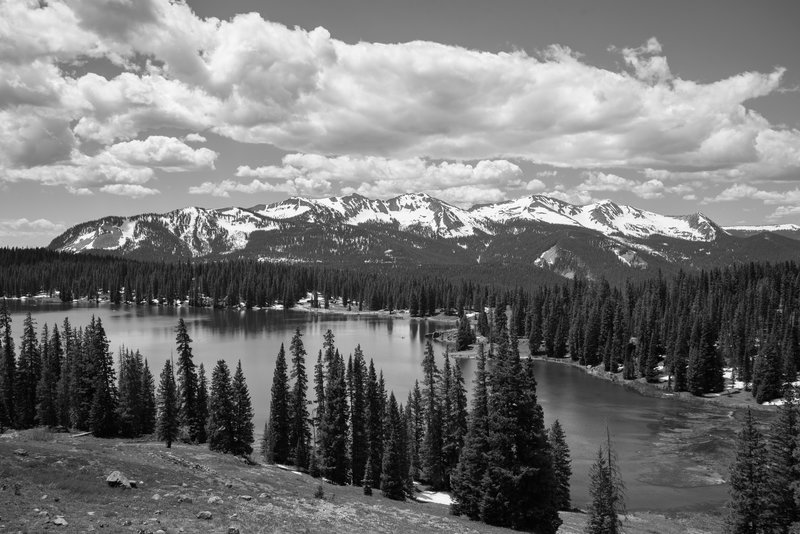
<point>657,477</point>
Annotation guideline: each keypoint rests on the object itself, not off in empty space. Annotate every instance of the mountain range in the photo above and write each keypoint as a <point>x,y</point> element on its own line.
<point>535,233</point>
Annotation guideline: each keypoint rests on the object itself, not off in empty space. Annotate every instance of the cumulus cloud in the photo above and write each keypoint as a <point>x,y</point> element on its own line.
<point>194,138</point>
<point>317,175</point>
<point>305,91</point>
<point>650,189</point>
<point>128,190</point>
<point>119,169</point>
<point>748,192</point>
<point>25,227</point>
<point>166,153</point>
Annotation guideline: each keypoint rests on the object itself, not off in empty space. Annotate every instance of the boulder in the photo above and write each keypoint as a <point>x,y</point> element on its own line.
<point>117,479</point>
<point>205,514</point>
<point>60,521</point>
<point>214,500</point>
<point>246,497</point>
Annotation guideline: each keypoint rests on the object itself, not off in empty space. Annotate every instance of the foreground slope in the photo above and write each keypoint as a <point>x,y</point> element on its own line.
<point>46,476</point>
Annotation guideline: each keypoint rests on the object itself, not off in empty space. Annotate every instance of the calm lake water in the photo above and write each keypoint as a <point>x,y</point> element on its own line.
<point>584,405</point>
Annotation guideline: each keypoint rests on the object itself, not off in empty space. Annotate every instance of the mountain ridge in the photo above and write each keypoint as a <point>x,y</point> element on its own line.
<point>534,231</point>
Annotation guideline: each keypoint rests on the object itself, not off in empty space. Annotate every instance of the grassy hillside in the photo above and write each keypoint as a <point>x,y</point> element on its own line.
<point>47,479</point>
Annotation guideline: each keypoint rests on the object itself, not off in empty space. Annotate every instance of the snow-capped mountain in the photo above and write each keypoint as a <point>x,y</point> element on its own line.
<point>416,212</point>
<point>535,232</point>
<point>605,216</point>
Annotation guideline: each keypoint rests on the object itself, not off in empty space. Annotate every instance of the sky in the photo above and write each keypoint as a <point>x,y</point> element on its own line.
<point>121,107</point>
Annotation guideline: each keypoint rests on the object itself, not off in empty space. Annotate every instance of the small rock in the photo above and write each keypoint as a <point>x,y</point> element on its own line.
<point>228,485</point>
<point>214,500</point>
<point>234,517</point>
<point>246,497</point>
<point>183,484</point>
<point>159,531</point>
<point>21,452</point>
<point>264,496</point>
<point>233,530</point>
<point>156,497</point>
<point>60,521</point>
<point>44,513</point>
<point>184,498</point>
<point>126,523</point>
<point>117,479</point>
<point>90,513</point>
<point>44,497</point>
<point>204,515</point>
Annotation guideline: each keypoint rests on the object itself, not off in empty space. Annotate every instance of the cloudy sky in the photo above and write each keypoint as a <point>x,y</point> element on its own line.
<point>129,106</point>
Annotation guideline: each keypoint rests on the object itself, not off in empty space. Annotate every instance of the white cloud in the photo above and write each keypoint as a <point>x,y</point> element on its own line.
<point>316,175</point>
<point>650,189</point>
<point>261,82</point>
<point>194,138</point>
<point>738,192</point>
<point>535,185</point>
<point>782,212</point>
<point>25,227</point>
<point>166,153</point>
<point>128,190</point>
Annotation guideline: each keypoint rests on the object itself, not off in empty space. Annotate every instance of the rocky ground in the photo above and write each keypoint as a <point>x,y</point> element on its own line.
<point>58,483</point>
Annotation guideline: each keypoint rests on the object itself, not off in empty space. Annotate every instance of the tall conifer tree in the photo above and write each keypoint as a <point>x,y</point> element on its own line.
<point>299,434</point>
<point>221,410</point>
<point>167,406</point>
<point>242,438</point>
<point>187,382</point>
<point>278,425</point>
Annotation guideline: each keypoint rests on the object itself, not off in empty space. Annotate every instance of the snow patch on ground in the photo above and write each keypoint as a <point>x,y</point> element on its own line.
<point>435,497</point>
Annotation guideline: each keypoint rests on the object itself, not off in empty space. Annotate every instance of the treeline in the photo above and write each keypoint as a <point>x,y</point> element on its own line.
<point>500,463</point>
<point>687,329</point>
<point>248,283</point>
<point>67,378</point>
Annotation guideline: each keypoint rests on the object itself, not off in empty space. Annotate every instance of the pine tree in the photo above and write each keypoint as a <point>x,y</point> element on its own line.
<point>130,394</point>
<point>334,429</point>
<point>8,367</point>
<point>359,439</point>
<point>103,414</point>
<point>607,494</point>
<point>27,375</point>
<point>64,386</point>
<point>202,405</point>
<point>367,482</point>
<point>416,430</point>
<point>375,432</point>
<point>767,376</point>
<point>187,383</point>
<point>518,489</point>
<point>392,476</point>
<point>242,423</point>
<point>455,423</point>
<point>784,462</point>
<point>46,388</point>
<point>468,475</point>
<point>299,434</point>
<point>167,406</point>
<point>149,406</point>
<point>221,410</point>
<point>319,403</point>
<point>750,511</point>
<point>431,452</point>
<point>278,426</point>
<point>561,464</point>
